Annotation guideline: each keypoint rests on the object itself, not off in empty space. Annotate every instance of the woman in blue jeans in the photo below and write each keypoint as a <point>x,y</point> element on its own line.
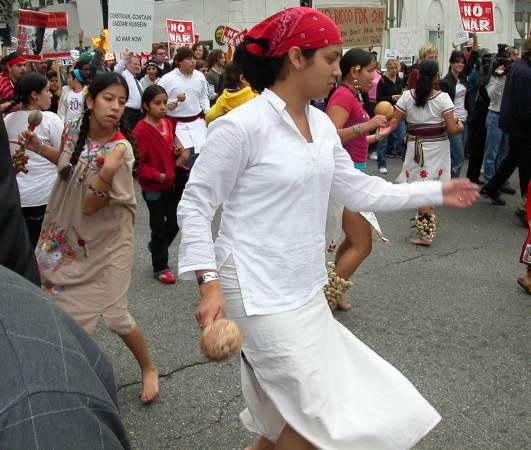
<point>390,89</point>
<point>456,85</point>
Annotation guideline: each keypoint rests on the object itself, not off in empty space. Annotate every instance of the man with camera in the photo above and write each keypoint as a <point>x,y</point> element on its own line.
<point>497,141</point>
<point>515,120</point>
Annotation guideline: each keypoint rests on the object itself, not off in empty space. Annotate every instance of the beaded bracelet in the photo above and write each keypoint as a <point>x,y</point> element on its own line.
<point>97,193</point>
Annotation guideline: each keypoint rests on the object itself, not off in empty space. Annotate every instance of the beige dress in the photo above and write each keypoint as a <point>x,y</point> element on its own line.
<point>85,261</point>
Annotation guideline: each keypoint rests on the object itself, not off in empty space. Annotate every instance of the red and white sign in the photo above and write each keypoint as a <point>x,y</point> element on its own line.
<point>477,16</point>
<point>180,32</point>
<point>43,35</point>
<point>228,35</point>
<point>238,39</point>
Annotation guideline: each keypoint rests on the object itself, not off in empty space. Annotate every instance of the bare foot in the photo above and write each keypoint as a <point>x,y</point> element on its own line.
<point>150,385</point>
<point>423,242</point>
<point>343,305</point>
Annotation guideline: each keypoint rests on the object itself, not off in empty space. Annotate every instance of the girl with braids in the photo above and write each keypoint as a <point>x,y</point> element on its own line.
<point>273,163</point>
<point>345,109</point>
<point>429,115</point>
<point>85,252</point>
<point>32,91</point>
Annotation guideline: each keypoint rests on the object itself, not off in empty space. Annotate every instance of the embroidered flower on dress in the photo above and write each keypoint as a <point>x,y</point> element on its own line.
<point>440,172</point>
<point>408,174</point>
<point>424,173</point>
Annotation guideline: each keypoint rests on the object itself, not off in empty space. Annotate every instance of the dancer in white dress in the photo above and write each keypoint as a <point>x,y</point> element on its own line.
<point>429,114</point>
<point>273,163</point>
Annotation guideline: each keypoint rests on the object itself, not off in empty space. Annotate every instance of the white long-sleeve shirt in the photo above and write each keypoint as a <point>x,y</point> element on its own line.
<point>135,97</point>
<point>495,90</point>
<point>275,187</point>
<point>195,86</point>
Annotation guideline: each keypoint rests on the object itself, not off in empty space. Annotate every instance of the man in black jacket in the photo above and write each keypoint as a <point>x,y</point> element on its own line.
<point>16,251</point>
<point>515,120</point>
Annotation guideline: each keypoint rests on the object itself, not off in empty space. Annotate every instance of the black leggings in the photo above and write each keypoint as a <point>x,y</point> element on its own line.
<point>34,215</point>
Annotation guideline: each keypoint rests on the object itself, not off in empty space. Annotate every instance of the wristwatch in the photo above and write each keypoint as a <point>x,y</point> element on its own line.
<point>207,277</point>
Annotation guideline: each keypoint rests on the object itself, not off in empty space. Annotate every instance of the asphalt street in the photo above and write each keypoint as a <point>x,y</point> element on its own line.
<point>450,317</point>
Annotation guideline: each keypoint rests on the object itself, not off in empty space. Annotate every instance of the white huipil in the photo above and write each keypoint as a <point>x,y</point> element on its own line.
<point>301,366</point>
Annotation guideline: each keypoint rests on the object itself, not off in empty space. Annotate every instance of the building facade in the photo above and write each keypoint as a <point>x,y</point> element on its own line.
<point>424,21</point>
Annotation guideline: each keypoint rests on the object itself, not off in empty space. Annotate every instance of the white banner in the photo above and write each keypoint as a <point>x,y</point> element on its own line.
<point>131,25</point>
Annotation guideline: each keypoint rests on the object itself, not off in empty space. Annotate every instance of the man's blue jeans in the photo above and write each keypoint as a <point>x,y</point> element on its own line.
<point>496,146</point>
<point>393,141</point>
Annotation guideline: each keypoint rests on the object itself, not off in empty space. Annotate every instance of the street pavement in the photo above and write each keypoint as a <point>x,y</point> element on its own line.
<point>450,317</point>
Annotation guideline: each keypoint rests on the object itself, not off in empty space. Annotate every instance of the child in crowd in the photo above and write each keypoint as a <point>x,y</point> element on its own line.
<point>85,253</point>
<point>162,182</point>
<point>236,91</point>
<point>55,89</point>
<point>72,97</point>
<point>429,114</point>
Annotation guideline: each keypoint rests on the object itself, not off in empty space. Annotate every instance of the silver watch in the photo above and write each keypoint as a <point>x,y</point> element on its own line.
<point>207,277</point>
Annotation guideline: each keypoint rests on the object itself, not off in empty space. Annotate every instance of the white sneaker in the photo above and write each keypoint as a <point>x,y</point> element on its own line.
<point>382,170</point>
<point>373,156</point>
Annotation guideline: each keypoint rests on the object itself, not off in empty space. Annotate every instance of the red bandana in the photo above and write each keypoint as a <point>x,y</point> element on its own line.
<point>301,27</point>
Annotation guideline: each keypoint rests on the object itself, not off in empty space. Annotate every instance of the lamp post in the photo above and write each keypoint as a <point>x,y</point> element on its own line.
<point>522,17</point>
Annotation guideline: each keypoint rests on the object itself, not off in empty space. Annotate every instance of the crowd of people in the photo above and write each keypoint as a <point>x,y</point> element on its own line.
<point>273,163</point>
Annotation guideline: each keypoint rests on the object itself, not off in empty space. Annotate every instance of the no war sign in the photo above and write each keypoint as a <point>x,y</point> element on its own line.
<point>477,16</point>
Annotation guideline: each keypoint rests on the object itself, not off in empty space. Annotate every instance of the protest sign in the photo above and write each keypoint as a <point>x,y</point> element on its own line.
<point>390,53</point>
<point>238,39</point>
<point>406,40</point>
<point>228,35</point>
<point>360,26</point>
<point>460,37</point>
<point>56,39</point>
<point>477,16</point>
<point>31,29</point>
<point>180,32</point>
<point>130,25</point>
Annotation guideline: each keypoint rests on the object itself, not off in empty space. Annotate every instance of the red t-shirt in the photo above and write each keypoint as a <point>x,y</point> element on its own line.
<point>346,99</point>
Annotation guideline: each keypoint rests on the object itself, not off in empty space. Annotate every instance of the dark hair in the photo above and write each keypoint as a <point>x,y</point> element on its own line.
<point>153,64</point>
<point>52,74</point>
<point>9,57</point>
<point>428,70</point>
<point>159,47</point>
<point>28,83</point>
<point>205,49</point>
<point>100,83</point>
<point>354,57</point>
<point>456,55</point>
<point>57,34</point>
<point>150,93</point>
<point>181,54</point>
<point>261,71</point>
<point>231,77</point>
<point>213,57</point>
<point>200,63</point>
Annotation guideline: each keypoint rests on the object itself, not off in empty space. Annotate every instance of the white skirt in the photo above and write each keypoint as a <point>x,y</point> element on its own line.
<point>304,368</point>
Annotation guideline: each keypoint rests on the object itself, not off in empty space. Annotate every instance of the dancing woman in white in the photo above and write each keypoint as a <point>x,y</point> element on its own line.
<point>273,163</point>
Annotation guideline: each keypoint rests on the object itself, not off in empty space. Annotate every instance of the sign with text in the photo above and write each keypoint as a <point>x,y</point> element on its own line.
<point>406,40</point>
<point>477,16</point>
<point>461,37</point>
<point>228,35</point>
<point>180,32</point>
<point>360,26</point>
<point>130,25</point>
<point>238,39</point>
<point>43,35</point>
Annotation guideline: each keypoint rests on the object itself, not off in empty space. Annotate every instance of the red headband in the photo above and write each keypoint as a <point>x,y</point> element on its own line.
<point>301,27</point>
<point>18,59</point>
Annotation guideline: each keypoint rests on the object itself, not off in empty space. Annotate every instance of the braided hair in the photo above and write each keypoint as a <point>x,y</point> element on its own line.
<point>100,83</point>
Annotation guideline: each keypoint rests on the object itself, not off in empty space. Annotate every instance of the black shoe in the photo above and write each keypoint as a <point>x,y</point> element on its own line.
<point>507,189</point>
<point>522,215</point>
<point>494,198</point>
<point>149,246</point>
